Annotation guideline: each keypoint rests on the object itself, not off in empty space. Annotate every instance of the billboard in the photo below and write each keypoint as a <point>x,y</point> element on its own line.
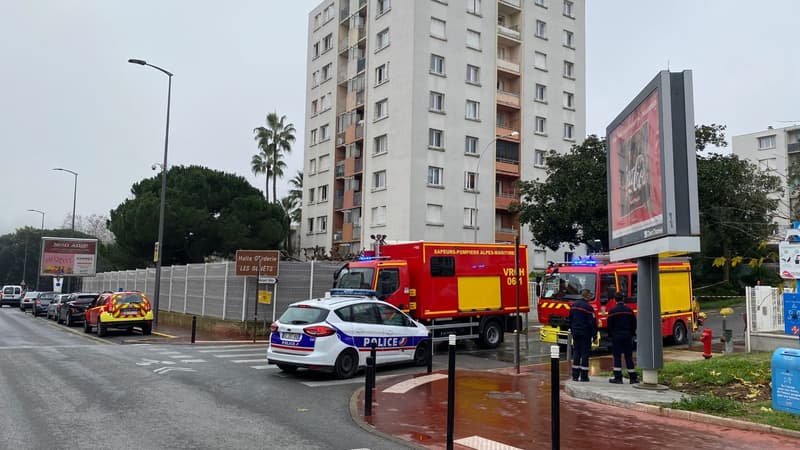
<point>652,175</point>
<point>68,257</point>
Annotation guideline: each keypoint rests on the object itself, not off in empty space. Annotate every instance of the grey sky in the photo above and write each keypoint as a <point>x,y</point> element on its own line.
<point>70,99</point>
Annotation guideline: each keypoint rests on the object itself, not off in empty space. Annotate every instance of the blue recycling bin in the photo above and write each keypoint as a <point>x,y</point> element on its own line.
<point>791,314</point>
<point>785,366</point>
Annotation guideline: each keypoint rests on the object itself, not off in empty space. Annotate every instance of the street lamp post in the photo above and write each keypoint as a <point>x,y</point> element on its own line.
<point>26,247</point>
<point>74,192</point>
<point>157,289</point>
<point>477,181</point>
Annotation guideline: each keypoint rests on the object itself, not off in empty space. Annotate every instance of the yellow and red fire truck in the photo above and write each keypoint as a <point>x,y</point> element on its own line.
<point>466,289</point>
<point>563,283</point>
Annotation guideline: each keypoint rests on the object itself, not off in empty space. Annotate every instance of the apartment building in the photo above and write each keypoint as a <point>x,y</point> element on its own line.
<point>423,115</point>
<point>773,150</point>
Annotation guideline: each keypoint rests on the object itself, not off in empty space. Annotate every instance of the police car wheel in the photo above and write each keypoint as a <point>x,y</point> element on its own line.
<point>286,368</point>
<point>346,364</point>
<point>421,354</point>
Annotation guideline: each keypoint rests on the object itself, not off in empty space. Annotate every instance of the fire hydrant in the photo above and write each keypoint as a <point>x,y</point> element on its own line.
<point>706,338</point>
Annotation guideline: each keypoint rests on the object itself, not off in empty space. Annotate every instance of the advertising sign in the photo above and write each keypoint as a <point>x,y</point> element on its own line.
<point>68,257</point>
<point>247,262</point>
<point>789,259</point>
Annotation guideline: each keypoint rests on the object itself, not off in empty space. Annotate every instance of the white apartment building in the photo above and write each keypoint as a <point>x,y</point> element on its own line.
<point>773,150</point>
<point>422,115</point>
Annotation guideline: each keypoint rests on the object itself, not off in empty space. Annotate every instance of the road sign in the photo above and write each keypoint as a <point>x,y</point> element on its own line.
<point>265,297</point>
<point>247,262</point>
<point>267,280</point>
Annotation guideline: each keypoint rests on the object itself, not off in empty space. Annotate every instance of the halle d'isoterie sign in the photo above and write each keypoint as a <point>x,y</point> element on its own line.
<point>68,257</point>
<point>247,262</point>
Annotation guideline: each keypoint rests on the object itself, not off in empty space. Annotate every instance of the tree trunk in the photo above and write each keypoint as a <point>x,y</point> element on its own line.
<point>274,183</point>
<point>266,185</point>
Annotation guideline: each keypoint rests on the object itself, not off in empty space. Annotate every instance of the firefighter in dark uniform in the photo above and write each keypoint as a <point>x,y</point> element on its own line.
<point>622,330</point>
<point>583,323</point>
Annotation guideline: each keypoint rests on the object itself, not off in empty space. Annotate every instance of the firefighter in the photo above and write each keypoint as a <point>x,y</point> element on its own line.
<point>583,323</point>
<point>622,330</point>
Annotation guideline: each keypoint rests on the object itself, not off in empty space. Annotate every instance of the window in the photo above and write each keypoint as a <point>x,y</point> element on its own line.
<point>540,60</point>
<point>313,137</point>
<point>327,13</point>
<point>474,7</point>
<point>324,133</point>
<point>312,166</point>
<point>539,157</point>
<point>436,103</point>
<point>471,145</point>
<point>322,224</point>
<point>569,100</point>
<point>765,142</point>
<point>381,144</point>
<point>327,42</point>
<point>435,176</point>
<point>473,40</point>
<point>310,225</point>
<point>438,28</point>
<point>569,39</point>
<point>311,196</point>
<point>383,7</point>
<point>767,164</point>
<point>473,110</point>
<point>378,215</point>
<point>381,109</point>
<point>470,218</point>
<point>315,78</point>
<point>433,214</point>
<point>540,2</point>
<point>314,107</point>
<point>569,70</point>
<point>325,102</point>
<point>470,181</point>
<point>435,138</point>
<point>568,9</point>
<point>473,74</point>
<point>569,130</point>
<point>437,64</point>
<point>443,266</point>
<point>327,72</point>
<point>379,180</point>
<point>382,39</point>
<point>541,93</point>
<point>541,29</point>
<point>316,50</point>
<point>324,163</point>
<point>323,193</point>
<point>540,125</point>
<point>382,74</point>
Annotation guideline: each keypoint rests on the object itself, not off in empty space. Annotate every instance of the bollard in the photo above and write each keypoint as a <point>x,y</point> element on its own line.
<point>555,420</point>
<point>373,354</point>
<point>451,388</point>
<point>368,385</point>
<point>430,351</point>
<point>194,328</point>
<point>516,351</point>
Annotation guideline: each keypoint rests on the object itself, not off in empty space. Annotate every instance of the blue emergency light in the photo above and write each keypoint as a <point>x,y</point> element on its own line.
<point>341,292</point>
<point>584,261</point>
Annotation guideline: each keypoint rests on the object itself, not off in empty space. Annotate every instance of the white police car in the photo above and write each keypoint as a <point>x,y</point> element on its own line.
<point>335,333</point>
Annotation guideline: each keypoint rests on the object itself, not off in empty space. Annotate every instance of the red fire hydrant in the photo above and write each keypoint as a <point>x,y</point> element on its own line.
<point>706,338</point>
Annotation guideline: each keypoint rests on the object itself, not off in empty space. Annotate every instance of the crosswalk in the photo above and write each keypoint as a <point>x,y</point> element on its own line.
<point>253,355</point>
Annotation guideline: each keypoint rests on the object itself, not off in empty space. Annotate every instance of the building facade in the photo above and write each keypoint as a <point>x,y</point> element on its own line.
<point>423,115</point>
<point>774,150</point>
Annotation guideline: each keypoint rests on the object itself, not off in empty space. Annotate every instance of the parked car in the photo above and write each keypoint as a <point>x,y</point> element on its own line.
<point>55,305</point>
<point>73,311</point>
<point>119,310</point>
<point>42,302</point>
<point>27,300</point>
<point>11,295</point>
<point>335,334</point>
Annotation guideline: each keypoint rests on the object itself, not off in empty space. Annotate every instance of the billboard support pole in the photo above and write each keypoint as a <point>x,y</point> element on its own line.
<point>649,348</point>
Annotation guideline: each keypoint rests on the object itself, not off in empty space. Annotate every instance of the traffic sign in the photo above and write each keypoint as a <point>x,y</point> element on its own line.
<point>265,297</point>
<point>248,261</point>
<point>268,280</point>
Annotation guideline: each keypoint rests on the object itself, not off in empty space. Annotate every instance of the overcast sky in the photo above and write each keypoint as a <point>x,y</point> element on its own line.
<point>68,97</point>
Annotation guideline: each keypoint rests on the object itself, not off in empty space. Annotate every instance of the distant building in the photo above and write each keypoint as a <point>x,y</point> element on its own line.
<point>422,116</point>
<point>773,150</point>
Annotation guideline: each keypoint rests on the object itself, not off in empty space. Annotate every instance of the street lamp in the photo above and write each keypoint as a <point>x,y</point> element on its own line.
<point>157,289</point>
<point>477,178</point>
<point>74,193</point>
<point>40,212</point>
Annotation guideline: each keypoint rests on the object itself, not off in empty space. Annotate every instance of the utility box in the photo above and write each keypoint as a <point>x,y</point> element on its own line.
<point>791,314</point>
<point>786,380</point>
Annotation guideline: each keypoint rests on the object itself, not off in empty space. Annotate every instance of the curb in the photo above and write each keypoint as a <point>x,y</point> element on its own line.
<point>359,420</point>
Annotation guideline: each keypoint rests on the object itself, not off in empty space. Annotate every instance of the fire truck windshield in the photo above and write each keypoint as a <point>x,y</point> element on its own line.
<point>568,286</point>
<point>355,278</point>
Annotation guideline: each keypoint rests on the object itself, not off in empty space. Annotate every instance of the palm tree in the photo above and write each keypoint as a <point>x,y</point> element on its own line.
<point>296,192</point>
<point>289,205</point>
<point>274,141</point>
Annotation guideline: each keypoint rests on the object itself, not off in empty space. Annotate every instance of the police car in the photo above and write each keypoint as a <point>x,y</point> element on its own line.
<point>335,333</point>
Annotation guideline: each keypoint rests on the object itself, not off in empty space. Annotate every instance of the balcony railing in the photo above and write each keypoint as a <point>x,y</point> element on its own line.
<point>794,147</point>
<point>361,65</point>
<point>337,236</point>
<point>339,170</point>
<point>359,131</point>
<point>508,65</point>
<point>514,3</point>
<point>509,32</point>
<point>338,201</point>
<point>508,98</point>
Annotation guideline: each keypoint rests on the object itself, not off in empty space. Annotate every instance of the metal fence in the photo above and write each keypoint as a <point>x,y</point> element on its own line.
<point>764,306</point>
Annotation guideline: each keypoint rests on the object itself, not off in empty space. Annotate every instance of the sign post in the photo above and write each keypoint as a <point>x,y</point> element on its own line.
<point>262,264</point>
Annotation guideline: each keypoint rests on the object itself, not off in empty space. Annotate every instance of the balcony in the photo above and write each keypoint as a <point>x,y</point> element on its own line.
<point>510,32</point>
<point>508,99</point>
<point>794,148</point>
<point>361,64</point>
<point>338,172</point>
<point>506,167</point>
<point>339,139</point>
<point>337,236</point>
<point>344,44</point>
<point>504,128</point>
<point>512,3</point>
<point>353,166</point>
<point>352,199</point>
<point>344,12</point>
<point>508,66</point>
<point>338,200</point>
<point>504,200</point>
<point>505,235</point>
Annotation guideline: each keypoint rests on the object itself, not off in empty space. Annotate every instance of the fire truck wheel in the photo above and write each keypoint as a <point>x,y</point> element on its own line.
<point>679,333</point>
<point>492,334</point>
<point>421,354</point>
<point>346,364</point>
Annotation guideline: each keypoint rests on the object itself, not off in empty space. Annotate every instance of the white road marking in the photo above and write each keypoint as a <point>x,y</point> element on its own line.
<point>268,366</point>
<point>193,360</point>
<point>242,355</point>
<point>241,361</point>
<point>480,443</point>
<point>356,380</point>
<point>168,352</point>
<point>411,383</point>
<point>150,362</point>
<point>163,370</point>
<point>234,348</point>
<point>179,356</point>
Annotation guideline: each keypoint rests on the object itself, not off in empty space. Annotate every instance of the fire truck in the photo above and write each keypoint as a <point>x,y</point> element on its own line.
<point>469,290</point>
<point>563,283</point>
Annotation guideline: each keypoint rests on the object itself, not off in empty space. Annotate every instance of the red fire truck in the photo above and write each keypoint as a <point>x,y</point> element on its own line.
<point>466,289</point>
<point>564,282</point>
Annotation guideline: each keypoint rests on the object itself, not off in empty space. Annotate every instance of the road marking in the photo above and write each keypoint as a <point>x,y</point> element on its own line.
<point>268,366</point>
<point>150,362</point>
<point>193,360</point>
<point>339,382</point>
<point>163,370</point>
<point>480,443</point>
<point>244,361</point>
<point>405,386</point>
<point>235,348</point>
<point>168,352</point>
<point>179,356</point>
<point>163,334</point>
<point>242,355</point>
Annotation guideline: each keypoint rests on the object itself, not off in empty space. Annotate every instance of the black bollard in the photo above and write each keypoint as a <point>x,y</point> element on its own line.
<point>368,385</point>
<point>194,328</point>
<point>430,351</point>
<point>373,354</point>
<point>451,389</point>
<point>555,419</point>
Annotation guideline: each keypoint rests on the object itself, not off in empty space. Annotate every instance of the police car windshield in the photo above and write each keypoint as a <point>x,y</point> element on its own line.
<point>355,278</point>
<point>297,315</point>
<point>568,286</point>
